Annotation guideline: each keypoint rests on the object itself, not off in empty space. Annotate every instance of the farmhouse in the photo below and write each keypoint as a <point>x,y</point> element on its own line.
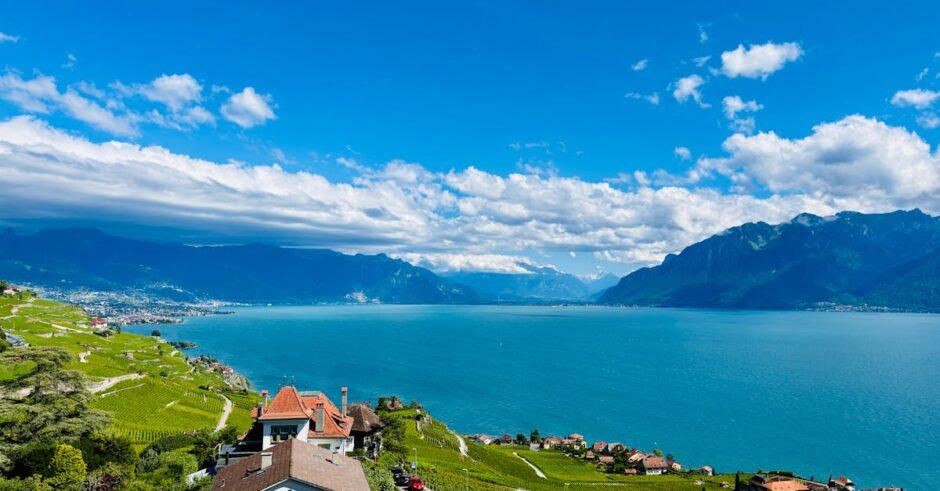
<point>308,416</point>
<point>98,324</point>
<point>762,482</point>
<point>292,465</point>
<point>653,466</point>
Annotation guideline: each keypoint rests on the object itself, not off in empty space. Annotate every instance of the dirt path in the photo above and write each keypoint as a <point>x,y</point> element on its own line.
<point>83,356</point>
<point>538,472</point>
<point>103,385</point>
<point>225,413</point>
<point>462,443</point>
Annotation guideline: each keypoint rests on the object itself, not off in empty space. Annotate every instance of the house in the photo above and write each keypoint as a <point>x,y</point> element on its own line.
<point>605,459</point>
<point>599,447</point>
<point>764,482</point>
<point>482,439</point>
<point>615,447</point>
<point>636,457</point>
<point>674,466</point>
<point>535,447</point>
<point>630,472</point>
<point>653,465</point>
<point>589,455</point>
<point>506,439</point>
<point>98,324</point>
<point>292,465</point>
<point>841,483</point>
<point>550,442</point>
<point>16,341</point>
<point>307,416</point>
<point>366,427</point>
<point>705,470</point>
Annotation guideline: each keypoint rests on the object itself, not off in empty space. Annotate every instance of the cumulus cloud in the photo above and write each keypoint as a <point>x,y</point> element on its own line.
<point>733,105</point>
<point>916,98</point>
<point>469,218</point>
<point>248,108</point>
<point>688,87</point>
<point>174,91</point>
<point>758,60</point>
<point>447,262</point>
<point>41,95</point>
<point>8,38</point>
<point>928,120</point>
<point>854,163</point>
<point>640,65</point>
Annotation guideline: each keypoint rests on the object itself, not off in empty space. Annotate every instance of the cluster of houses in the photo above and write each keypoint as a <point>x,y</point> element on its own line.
<point>300,440</point>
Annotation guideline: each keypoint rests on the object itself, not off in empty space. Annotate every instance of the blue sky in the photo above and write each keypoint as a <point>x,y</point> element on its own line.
<point>632,130</point>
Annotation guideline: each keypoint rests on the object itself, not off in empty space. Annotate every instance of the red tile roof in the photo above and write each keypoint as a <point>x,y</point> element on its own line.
<point>654,463</point>
<point>290,404</point>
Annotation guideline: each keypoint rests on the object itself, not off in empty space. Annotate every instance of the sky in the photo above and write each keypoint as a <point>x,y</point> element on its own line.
<point>592,136</point>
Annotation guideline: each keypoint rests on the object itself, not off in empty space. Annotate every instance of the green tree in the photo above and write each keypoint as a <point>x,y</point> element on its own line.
<point>520,438</point>
<point>67,469</point>
<point>98,450</point>
<point>658,452</point>
<point>54,405</point>
<point>535,437</point>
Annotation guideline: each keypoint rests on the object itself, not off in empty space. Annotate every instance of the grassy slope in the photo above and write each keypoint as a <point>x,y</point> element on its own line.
<point>495,467</point>
<point>144,408</point>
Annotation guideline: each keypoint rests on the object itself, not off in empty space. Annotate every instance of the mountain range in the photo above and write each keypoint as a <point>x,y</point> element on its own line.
<point>535,284</point>
<point>889,260</point>
<point>71,259</point>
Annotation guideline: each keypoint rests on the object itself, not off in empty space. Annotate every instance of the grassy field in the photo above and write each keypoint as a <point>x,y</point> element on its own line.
<point>496,467</point>
<point>162,394</point>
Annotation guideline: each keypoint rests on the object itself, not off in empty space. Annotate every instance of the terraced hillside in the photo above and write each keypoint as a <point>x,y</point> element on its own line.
<point>147,386</point>
<point>501,467</point>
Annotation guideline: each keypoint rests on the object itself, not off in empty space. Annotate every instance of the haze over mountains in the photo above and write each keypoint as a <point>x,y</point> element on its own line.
<point>851,259</point>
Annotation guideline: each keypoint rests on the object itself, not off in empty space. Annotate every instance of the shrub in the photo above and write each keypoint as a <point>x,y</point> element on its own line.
<point>67,469</point>
<point>98,450</point>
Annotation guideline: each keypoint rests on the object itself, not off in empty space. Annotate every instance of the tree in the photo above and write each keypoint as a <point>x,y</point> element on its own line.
<point>658,452</point>
<point>534,436</point>
<point>520,439</point>
<point>98,450</point>
<point>55,405</point>
<point>155,333</point>
<point>68,469</point>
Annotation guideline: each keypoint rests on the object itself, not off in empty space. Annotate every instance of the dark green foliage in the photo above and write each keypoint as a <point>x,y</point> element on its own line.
<point>33,457</point>
<point>170,443</point>
<point>67,470</point>
<point>535,437</point>
<point>98,450</point>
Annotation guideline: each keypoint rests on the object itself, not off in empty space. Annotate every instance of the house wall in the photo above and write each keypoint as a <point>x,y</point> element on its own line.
<point>338,445</point>
<point>303,426</point>
<point>654,472</point>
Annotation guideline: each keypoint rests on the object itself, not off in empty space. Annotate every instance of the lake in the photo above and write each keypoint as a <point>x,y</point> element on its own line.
<point>818,393</point>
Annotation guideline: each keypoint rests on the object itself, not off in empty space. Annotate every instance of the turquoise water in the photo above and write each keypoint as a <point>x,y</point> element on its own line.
<point>813,392</point>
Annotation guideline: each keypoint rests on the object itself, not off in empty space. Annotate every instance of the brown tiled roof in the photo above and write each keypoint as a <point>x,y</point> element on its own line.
<point>364,418</point>
<point>784,485</point>
<point>295,460</point>
<point>654,463</point>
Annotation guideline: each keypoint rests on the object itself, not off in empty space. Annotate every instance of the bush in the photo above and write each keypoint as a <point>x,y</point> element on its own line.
<point>170,443</point>
<point>155,333</point>
<point>67,469</point>
<point>33,458</point>
<point>178,464</point>
<point>109,477</point>
<point>98,450</point>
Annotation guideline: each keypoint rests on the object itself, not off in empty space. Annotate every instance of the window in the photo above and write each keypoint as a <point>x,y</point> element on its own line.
<point>281,433</point>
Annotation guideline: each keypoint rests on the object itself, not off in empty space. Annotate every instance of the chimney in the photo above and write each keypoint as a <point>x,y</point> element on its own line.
<point>264,402</point>
<point>266,460</point>
<point>319,417</point>
<point>345,393</point>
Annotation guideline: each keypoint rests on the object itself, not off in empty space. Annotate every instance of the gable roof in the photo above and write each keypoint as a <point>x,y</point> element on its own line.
<point>295,460</point>
<point>364,418</point>
<point>654,463</point>
<point>287,404</point>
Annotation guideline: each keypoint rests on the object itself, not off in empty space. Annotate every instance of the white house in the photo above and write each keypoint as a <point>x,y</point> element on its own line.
<point>307,416</point>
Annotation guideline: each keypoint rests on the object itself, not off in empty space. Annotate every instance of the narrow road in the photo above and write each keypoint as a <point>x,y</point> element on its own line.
<point>96,387</point>
<point>538,472</point>
<point>462,443</point>
<point>225,412</point>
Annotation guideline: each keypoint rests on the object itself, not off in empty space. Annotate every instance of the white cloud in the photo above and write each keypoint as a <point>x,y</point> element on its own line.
<point>923,73</point>
<point>8,38</point>
<point>446,262</point>
<point>928,120</point>
<point>734,104</point>
<point>854,163</point>
<point>651,98</point>
<point>917,98</point>
<point>688,87</point>
<point>41,95</point>
<point>640,65</point>
<point>248,108</point>
<point>758,60</point>
<point>701,60</point>
<point>682,153</point>
<point>469,216</point>
<point>174,91</point>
